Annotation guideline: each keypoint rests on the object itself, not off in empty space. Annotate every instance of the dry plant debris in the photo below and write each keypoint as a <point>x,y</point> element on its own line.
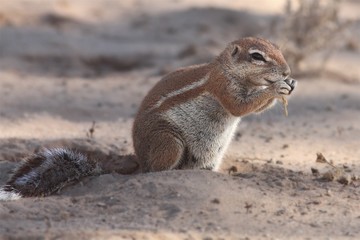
<point>248,207</point>
<point>91,131</point>
<point>285,104</point>
<point>334,174</point>
<point>321,159</point>
<point>232,169</point>
<point>311,27</point>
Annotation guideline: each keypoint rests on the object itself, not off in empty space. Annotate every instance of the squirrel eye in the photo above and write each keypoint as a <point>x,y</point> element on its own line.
<point>258,56</point>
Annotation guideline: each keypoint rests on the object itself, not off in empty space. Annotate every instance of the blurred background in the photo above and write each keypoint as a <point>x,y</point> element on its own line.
<point>65,64</point>
<point>73,73</point>
<point>65,38</point>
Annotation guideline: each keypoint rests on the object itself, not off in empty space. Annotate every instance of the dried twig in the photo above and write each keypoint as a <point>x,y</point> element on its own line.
<point>321,159</point>
<point>285,104</point>
<point>313,27</point>
<point>91,131</point>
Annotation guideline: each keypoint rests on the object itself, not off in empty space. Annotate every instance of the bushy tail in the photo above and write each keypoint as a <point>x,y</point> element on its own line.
<point>46,172</point>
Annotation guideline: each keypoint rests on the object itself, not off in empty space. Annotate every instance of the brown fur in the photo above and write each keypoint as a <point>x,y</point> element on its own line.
<point>168,85</point>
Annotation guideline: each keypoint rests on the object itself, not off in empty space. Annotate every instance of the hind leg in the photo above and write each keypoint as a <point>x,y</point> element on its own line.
<point>165,153</point>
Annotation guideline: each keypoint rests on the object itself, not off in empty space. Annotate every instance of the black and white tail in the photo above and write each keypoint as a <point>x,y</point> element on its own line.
<point>46,172</point>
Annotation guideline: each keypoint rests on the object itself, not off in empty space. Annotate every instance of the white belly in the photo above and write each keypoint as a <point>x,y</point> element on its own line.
<point>206,128</point>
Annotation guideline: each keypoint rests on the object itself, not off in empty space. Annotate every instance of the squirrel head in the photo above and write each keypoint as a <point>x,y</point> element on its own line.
<point>254,61</point>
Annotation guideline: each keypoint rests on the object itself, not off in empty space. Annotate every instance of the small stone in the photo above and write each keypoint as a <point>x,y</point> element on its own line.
<point>328,176</point>
<point>303,187</point>
<point>280,212</point>
<point>328,193</point>
<point>345,179</point>
<point>314,225</point>
<point>100,204</point>
<point>315,172</point>
<point>232,169</point>
<point>269,161</point>
<point>315,202</point>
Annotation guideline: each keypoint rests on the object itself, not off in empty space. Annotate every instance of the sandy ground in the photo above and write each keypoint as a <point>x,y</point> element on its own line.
<point>65,64</point>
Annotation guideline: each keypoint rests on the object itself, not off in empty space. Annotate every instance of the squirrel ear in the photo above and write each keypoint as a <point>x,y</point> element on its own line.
<point>235,50</point>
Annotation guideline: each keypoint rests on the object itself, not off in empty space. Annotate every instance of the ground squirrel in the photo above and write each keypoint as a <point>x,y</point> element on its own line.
<point>186,121</point>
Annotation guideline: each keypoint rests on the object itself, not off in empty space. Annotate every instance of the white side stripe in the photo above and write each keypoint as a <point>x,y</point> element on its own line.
<point>194,85</point>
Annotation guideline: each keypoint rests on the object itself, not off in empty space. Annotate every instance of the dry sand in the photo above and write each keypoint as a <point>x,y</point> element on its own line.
<point>65,64</point>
